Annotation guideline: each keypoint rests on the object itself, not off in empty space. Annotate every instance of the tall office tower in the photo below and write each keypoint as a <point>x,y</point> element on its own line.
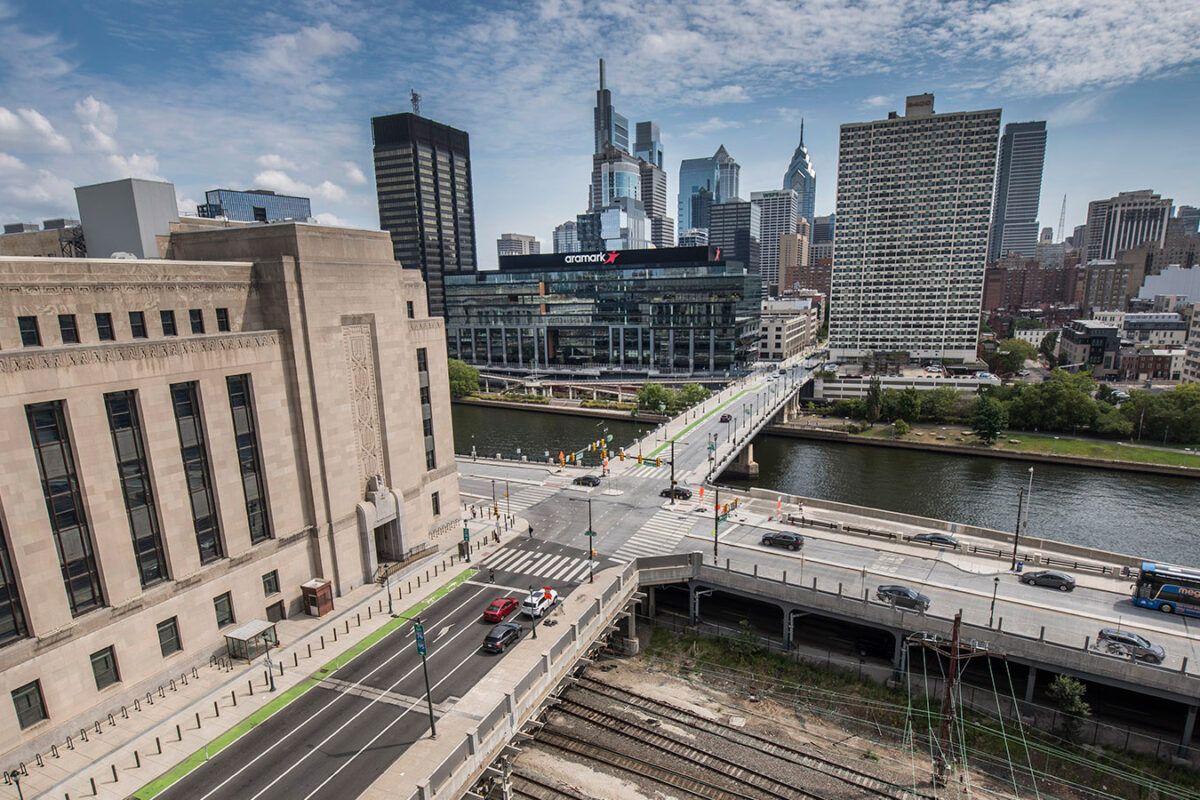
<point>1078,238</point>
<point>517,244</point>
<point>1188,219</point>
<point>648,144</point>
<point>802,178</point>
<point>566,237</point>
<point>735,227</point>
<point>793,259</point>
<point>615,174</point>
<point>1018,190</point>
<point>822,229</point>
<point>423,182</point>
<point>914,196</point>
<point>620,226</point>
<point>1123,222</point>
<point>654,201</point>
<point>730,172</point>
<point>611,129</point>
<point>777,217</point>
<point>694,237</point>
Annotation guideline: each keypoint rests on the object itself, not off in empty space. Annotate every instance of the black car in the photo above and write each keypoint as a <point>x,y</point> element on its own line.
<point>903,597</point>
<point>726,417</point>
<point>792,541</point>
<point>501,636</point>
<point>679,492</point>
<point>586,480</point>
<point>940,539</point>
<point>1124,643</point>
<point>1058,580</point>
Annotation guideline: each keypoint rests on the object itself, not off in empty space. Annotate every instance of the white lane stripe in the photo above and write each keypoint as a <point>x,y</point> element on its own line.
<point>562,569</point>
<point>521,563</point>
<point>544,566</point>
<point>577,574</point>
<point>503,557</point>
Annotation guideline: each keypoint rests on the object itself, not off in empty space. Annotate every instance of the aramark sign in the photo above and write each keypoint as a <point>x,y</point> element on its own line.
<point>617,259</point>
<point>592,258</point>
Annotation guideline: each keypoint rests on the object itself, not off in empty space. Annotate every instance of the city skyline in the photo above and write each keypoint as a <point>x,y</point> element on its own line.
<point>90,97</point>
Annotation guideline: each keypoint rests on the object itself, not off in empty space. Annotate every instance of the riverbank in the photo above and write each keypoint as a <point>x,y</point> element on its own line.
<point>564,407</point>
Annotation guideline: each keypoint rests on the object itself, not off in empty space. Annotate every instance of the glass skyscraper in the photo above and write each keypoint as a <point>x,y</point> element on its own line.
<point>1018,190</point>
<point>254,205</point>
<point>802,179</point>
<point>704,182</point>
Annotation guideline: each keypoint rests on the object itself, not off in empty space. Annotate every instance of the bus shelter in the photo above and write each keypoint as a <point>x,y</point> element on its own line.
<point>250,640</point>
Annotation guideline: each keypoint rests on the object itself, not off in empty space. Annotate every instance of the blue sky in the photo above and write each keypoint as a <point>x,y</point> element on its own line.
<point>223,94</point>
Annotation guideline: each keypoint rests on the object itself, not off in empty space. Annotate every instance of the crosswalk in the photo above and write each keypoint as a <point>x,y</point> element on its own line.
<point>657,537</point>
<point>557,568</point>
<point>651,471</point>
<point>520,499</point>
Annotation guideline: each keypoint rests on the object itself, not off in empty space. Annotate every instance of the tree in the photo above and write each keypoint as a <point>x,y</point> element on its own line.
<point>908,406</point>
<point>900,428</point>
<point>1026,324</point>
<point>990,419</point>
<point>939,405</point>
<point>1067,694</point>
<point>1010,356</point>
<point>652,396</point>
<point>874,400</point>
<point>464,379</point>
<point>1110,422</point>
<point>746,643</point>
<point>693,393</point>
<point>1048,346</point>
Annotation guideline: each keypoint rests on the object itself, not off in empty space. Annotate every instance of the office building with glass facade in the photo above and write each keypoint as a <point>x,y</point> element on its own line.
<point>1018,190</point>
<point>253,205</point>
<point>638,312</point>
<point>802,179</point>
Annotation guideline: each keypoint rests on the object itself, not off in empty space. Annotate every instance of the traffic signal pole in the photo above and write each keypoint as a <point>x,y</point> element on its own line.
<point>716,522</point>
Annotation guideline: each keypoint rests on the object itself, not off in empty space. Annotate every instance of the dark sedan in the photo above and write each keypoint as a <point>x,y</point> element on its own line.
<point>501,636</point>
<point>792,541</point>
<point>902,597</point>
<point>586,480</point>
<point>726,417</point>
<point>679,492</point>
<point>1057,580</point>
<point>939,539</point>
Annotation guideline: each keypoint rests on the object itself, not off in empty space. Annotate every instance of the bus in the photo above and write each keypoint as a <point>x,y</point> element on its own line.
<point>1168,589</point>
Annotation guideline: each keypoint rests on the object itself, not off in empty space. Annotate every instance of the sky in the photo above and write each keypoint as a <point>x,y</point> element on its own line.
<point>280,96</point>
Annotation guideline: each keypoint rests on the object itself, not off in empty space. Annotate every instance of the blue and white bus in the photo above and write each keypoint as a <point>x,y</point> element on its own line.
<point>1168,589</point>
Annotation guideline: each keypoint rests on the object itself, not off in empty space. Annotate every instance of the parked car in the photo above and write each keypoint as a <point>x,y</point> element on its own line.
<point>586,480</point>
<point>726,417</point>
<point>501,636</point>
<point>500,608</point>
<point>940,539</point>
<point>903,597</point>
<point>1125,643</point>
<point>679,492</point>
<point>1024,373</point>
<point>792,541</point>
<point>537,604</point>
<point>1047,577</point>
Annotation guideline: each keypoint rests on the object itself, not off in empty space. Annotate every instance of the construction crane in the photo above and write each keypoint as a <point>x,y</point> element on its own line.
<point>1062,220</point>
<point>415,99</point>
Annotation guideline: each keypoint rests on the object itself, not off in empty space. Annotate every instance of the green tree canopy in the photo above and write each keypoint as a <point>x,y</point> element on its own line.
<point>652,396</point>
<point>1010,356</point>
<point>874,400</point>
<point>464,379</point>
<point>1025,324</point>
<point>1049,345</point>
<point>990,419</point>
<point>693,393</point>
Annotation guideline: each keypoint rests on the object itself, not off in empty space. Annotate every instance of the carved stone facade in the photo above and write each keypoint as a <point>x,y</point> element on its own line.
<point>285,346</point>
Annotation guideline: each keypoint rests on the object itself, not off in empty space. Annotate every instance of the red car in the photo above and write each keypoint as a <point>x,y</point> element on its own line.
<point>500,608</point>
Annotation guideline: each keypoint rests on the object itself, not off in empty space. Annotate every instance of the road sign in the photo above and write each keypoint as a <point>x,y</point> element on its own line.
<point>419,632</point>
<point>466,534</point>
<point>589,533</point>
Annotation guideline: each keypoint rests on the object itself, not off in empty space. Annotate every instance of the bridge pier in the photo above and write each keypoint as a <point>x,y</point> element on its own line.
<point>1030,684</point>
<point>744,466</point>
<point>1189,728</point>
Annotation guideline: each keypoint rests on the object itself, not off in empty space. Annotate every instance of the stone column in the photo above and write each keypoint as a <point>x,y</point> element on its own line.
<point>744,466</point>
<point>1189,727</point>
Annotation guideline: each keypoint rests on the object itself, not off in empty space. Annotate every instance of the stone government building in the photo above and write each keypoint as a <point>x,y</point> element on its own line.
<point>188,440</point>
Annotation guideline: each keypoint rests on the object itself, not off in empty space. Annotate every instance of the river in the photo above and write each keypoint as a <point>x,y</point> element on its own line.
<point>1149,516</point>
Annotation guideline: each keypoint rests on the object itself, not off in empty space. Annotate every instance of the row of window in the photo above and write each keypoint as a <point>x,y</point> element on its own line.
<point>31,704</point>
<point>68,327</point>
<point>68,515</point>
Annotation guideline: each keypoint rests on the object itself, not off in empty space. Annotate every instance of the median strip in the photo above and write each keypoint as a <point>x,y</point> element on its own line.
<point>191,762</point>
<point>697,422</point>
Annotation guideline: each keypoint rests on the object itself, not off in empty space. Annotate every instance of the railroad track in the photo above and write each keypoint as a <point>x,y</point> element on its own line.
<point>529,786</point>
<point>857,778</point>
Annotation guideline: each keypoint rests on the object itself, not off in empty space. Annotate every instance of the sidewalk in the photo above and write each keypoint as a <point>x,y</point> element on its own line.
<point>188,721</point>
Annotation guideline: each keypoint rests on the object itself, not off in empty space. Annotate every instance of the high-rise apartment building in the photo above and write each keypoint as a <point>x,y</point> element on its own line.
<point>735,228</point>
<point>913,208</point>
<point>253,205</point>
<point>777,217</point>
<point>423,182</point>
<point>566,237</point>
<point>517,244</point>
<point>1018,190</point>
<point>802,178</point>
<point>1123,222</point>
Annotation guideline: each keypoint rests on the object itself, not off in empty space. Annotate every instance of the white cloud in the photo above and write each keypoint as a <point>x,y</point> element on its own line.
<point>326,218</point>
<point>354,175</point>
<point>99,123</point>
<point>1077,111</point>
<point>330,191</point>
<point>725,94</point>
<point>274,161</point>
<point>10,165</point>
<point>876,101</point>
<point>135,165</point>
<point>27,131</point>
<point>279,181</point>
<point>186,206</point>
<point>713,124</point>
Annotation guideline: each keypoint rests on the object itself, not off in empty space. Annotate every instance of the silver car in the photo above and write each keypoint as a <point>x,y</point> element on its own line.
<point>1125,643</point>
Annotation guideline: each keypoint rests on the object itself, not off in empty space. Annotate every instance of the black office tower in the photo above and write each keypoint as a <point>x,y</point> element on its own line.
<point>423,182</point>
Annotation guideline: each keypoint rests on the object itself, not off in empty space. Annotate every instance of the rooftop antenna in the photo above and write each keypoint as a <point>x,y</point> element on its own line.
<point>802,131</point>
<point>415,99</point>
<point>1062,219</point>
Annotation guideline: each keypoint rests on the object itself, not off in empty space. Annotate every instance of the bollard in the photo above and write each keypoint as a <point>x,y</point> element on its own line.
<point>410,586</point>
<point>426,575</point>
<point>358,616</point>
<point>814,583</point>
<point>322,641</point>
<point>369,612</point>
<point>310,649</point>
<point>137,760</point>
<point>1183,668</point>
<point>250,687</point>
<point>1000,625</point>
<point>1042,635</point>
<point>233,697</point>
<point>178,733</point>
<point>92,781</point>
<point>266,677</point>
<point>295,659</point>
<point>839,588</point>
<point>114,771</point>
<point>158,745</point>
<point>335,634</point>
<point>380,606</point>
<point>197,720</point>
<point>347,626</point>
<point>216,709</point>
<point>418,581</point>
<point>281,669</point>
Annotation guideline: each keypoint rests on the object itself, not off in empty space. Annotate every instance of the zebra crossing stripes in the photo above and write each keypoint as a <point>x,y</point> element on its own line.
<point>523,499</point>
<point>561,568</point>
<point>658,536</point>
<point>650,471</point>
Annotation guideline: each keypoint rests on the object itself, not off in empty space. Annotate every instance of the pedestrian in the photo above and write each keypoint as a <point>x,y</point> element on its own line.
<point>491,574</point>
<point>496,537</point>
<point>472,512</point>
<point>530,531</point>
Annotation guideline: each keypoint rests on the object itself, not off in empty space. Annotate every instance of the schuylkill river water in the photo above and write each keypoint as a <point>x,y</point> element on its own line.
<point>1149,516</point>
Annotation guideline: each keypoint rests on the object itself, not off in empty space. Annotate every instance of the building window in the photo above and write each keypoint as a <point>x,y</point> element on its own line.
<point>104,667</point>
<point>104,327</point>
<point>246,436</point>
<point>12,615</point>
<point>223,320</point>
<point>30,335</point>
<point>168,322</point>
<point>437,504</point>
<point>30,707</point>
<point>168,637</point>
<point>137,324</point>
<point>426,408</point>
<point>411,311</point>
<point>271,583</point>
<point>223,605</point>
<point>68,329</point>
<point>129,446</point>
<point>197,318</point>
<point>72,539</point>
<point>196,466</point>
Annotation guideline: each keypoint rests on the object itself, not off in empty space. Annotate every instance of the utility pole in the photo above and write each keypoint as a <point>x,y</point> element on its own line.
<point>1017,532</point>
<point>591,540</point>
<point>940,763</point>
<point>716,522</point>
<point>419,633</point>
<point>672,472</point>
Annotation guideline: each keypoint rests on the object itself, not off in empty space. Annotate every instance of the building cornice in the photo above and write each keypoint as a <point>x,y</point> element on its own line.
<point>74,356</point>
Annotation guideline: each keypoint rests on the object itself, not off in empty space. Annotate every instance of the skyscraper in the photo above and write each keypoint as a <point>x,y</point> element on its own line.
<point>517,244</point>
<point>615,174</point>
<point>730,172</point>
<point>1123,222</point>
<point>735,227</point>
<point>654,201</point>
<point>802,178</point>
<point>1018,190</point>
<point>648,144</point>
<point>423,182</point>
<point>611,129</point>
<point>823,229</point>
<point>914,197</point>
<point>566,237</point>
<point>702,182</point>
<point>777,217</point>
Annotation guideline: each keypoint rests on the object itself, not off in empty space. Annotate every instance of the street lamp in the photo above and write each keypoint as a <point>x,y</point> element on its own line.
<point>995,588</point>
<point>1029,503</point>
<point>591,540</point>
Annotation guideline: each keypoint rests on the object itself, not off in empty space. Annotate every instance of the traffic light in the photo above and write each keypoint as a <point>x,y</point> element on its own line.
<point>604,453</point>
<point>639,459</point>
<point>622,455</point>
<point>593,553</point>
<point>658,462</point>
